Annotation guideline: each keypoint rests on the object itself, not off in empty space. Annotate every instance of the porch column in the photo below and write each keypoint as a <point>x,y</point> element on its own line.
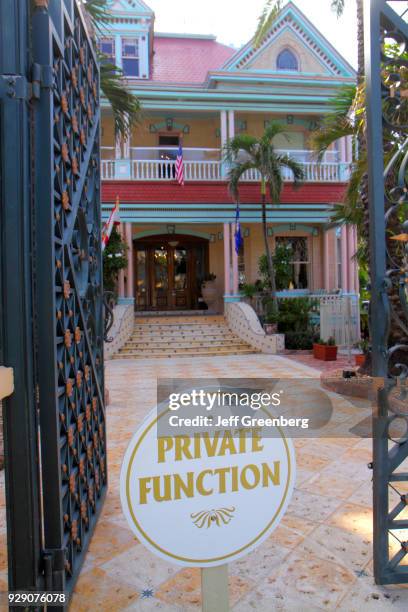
<point>235,277</point>
<point>344,259</point>
<point>224,128</point>
<point>231,124</point>
<point>352,248</point>
<point>343,150</point>
<point>126,147</point>
<point>130,277</point>
<point>326,260</point>
<point>121,277</point>
<point>118,147</point>
<point>227,260</point>
<point>224,138</point>
<point>349,147</point>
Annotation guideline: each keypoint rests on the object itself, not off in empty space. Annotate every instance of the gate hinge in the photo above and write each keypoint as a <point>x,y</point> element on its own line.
<point>41,78</point>
<point>14,86</point>
<point>54,568</point>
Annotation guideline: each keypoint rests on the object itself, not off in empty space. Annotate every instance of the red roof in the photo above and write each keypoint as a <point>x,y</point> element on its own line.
<point>187,60</point>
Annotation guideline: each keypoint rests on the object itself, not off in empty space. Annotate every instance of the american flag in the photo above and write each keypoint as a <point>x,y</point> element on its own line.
<point>180,166</point>
<point>114,219</point>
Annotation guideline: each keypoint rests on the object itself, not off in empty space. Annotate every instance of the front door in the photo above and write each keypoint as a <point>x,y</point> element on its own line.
<point>169,270</point>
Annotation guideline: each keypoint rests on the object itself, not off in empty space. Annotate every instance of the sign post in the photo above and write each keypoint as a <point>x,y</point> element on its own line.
<point>207,498</point>
<point>214,589</point>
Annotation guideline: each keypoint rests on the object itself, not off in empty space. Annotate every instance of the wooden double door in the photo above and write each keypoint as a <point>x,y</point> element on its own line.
<point>169,270</point>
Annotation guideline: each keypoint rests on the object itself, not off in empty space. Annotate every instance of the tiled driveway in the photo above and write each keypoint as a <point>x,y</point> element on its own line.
<point>320,556</point>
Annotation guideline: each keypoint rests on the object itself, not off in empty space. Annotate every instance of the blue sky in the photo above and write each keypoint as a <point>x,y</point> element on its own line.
<point>234,21</point>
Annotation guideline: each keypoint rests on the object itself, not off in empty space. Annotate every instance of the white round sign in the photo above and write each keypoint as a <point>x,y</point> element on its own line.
<point>205,500</point>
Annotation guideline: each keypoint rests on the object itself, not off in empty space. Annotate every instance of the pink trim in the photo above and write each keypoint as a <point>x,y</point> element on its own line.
<point>130,277</point>
<point>227,260</point>
<point>344,259</point>
<point>351,252</point>
<point>235,277</point>
<point>326,260</point>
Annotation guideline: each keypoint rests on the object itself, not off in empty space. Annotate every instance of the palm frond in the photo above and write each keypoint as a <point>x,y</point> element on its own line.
<point>234,176</point>
<point>273,128</point>
<point>294,166</point>
<point>338,7</point>
<point>98,12</point>
<point>343,101</point>
<point>322,139</point>
<point>266,19</point>
<point>241,142</point>
<point>126,107</point>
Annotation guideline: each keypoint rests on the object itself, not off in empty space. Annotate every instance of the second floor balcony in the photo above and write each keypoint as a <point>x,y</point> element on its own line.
<point>206,164</point>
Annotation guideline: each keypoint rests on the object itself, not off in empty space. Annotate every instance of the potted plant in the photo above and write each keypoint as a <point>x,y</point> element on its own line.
<point>325,351</point>
<point>271,318</point>
<point>209,290</point>
<point>360,358</point>
<point>249,291</point>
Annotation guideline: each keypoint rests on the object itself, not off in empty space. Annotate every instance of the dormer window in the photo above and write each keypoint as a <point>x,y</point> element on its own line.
<point>107,47</point>
<point>130,57</point>
<point>287,61</point>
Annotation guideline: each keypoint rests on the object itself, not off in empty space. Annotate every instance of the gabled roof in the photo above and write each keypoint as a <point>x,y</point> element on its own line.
<point>291,19</point>
<point>187,59</point>
<point>125,6</point>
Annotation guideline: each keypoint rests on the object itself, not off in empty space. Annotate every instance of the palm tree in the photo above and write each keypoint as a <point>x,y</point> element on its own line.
<point>244,153</point>
<point>125,106</point>
<point>348,118</point>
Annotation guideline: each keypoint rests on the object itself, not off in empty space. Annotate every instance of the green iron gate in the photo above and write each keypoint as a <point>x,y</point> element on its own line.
<point>51,280</point>
<point>387,111</point>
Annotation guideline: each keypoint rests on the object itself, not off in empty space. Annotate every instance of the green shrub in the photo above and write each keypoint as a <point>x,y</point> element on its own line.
<point>299,340</point>
<point>294,314</point>
<point>114,259</point>
<point>249,290</point>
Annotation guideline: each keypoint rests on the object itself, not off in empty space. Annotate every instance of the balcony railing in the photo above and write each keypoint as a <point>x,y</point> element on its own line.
<point>159,164</point>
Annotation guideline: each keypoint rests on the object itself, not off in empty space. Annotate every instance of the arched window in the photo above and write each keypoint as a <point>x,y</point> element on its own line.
<point>287,60</point>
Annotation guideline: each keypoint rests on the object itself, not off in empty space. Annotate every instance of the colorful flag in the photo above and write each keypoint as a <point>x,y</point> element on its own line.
<point>238,235</point>
<point>180,166</point>
<point>114,219</point>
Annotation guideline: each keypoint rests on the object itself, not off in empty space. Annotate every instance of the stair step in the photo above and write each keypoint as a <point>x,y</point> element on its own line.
<point>177,326</point>
<point>197,342</point>
<point>165,354</point>
<point>186,349</point>
<point>182,336</point>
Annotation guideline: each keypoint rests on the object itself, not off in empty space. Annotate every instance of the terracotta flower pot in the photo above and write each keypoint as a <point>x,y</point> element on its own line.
<point>325,352</point>
<point>360,359</point>
<point>209,293</point>
<point>270,328</point>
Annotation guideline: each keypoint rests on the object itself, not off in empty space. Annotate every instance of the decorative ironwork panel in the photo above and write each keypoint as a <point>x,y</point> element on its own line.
<point>387,126</point>
<point>68,283</point>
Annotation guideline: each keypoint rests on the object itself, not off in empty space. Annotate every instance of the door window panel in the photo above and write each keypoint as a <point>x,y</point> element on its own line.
<point>180,269</point>
<point>298,276</point>
<point>141,275</point>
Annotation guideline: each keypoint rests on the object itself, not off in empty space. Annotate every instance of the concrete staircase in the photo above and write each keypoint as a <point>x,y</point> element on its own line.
<point>186,336</point>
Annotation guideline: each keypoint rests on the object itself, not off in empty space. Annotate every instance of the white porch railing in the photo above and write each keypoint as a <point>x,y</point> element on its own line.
<point>203,164</point>
<point>314,173</point>
<point>340,319</point>
<point>338,314</point>
<point>165,170</point>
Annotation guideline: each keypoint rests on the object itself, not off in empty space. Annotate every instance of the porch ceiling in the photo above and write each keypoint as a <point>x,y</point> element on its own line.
<point>318,214</point>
